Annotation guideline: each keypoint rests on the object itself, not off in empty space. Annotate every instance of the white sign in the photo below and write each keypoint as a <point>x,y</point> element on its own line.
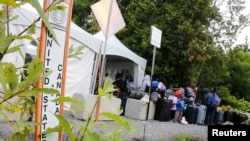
<point>108,16</point>
<point>155,36</point>
<point>53,61</point>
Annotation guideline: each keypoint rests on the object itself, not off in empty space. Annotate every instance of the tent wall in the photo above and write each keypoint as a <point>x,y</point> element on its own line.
<point>113,67</point>
<point>79,72</point>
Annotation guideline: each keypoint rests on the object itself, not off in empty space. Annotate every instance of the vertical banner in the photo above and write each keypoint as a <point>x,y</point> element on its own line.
<point>54,57</point>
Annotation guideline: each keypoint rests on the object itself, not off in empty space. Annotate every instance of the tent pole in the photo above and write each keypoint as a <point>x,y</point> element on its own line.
<point>97,66</point>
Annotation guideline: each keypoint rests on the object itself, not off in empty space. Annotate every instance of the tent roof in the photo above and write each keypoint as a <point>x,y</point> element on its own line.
<point>116,47</point>
<point>27,14</point>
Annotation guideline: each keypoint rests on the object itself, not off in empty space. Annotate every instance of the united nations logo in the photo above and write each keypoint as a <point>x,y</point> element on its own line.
<point>58,16</point>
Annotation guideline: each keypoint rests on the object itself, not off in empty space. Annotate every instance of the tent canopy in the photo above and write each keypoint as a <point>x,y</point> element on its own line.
<point>80,73</point>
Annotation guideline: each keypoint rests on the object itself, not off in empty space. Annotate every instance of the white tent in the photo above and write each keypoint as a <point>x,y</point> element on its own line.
<point>131,62</point>
<point>80,73</point>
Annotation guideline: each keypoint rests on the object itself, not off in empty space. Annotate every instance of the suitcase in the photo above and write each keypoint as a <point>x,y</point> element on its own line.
<point>202,110</point>
<point>191,114</point>
<point>137,94</point>
<point>229,116</point>
<point>163,109</point>
<point>132,94</point>
<point>219,117</point>
<point>240,118</point>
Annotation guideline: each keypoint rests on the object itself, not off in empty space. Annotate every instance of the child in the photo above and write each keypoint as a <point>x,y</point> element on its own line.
<point>173,108</point>
<point>180,106</point>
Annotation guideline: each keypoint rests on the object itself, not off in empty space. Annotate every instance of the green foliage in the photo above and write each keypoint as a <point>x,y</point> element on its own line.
<point>37,6</point>
<point>185,137</point>
<point>75,53</point>
<point>195,36</point>
<point>240,72</point>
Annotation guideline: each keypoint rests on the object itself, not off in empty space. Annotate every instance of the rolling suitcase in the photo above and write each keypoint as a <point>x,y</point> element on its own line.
<point>191,114</point>
<point>163,109</point>
<point>219,117</point>
<point>202,109</point>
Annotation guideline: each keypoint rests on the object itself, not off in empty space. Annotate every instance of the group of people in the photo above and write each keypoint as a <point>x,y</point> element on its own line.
<point>182,97</point>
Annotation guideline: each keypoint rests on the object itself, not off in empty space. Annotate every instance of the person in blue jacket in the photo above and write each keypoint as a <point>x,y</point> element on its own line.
<point>180,107</point>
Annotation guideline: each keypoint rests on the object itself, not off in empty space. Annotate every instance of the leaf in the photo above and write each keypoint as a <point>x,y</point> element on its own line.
<point>68,99</point>
<point>108,86</point>
<point>92,136</point>
<point>29,93</point>
<point>14,49</point>
<point>101,91</point>
<point>10,74</point>
<point>40,11</point>
<point>118,119</point>
<point>64,125</point>
<point>2,80</point>
<point>77,53</point>
<point>47,90</point>
<point>9,3</point>
<point>34,70</point>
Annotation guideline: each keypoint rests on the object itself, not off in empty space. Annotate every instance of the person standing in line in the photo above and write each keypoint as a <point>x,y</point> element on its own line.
<point>174,99</point>
<point>146,83</point>
<point>180,107</point>
<point>211,106</point>
<point>162,87</point>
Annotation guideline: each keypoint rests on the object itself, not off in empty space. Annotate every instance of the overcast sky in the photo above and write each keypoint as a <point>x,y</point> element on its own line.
<point>246,31</point>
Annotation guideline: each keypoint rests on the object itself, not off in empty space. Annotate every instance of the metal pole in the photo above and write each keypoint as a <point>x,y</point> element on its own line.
<point>97,65</point>
<point>105,44</point>
<point>103,63</point>
<point>152,73</point>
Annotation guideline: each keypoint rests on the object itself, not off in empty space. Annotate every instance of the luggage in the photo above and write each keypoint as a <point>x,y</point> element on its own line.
<point>137,94</point>
<point>163,109</point>
<point>219,117</point>
<point>240,118</point>
<point>201,116</point>
<point>229,116</point>
<point>191,114</point>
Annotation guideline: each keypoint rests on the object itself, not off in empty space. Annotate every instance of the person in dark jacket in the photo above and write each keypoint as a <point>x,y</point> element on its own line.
<point>121,86</point>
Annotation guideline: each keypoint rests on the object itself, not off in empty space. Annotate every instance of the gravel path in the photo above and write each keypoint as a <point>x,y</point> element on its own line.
<point>154,130</point>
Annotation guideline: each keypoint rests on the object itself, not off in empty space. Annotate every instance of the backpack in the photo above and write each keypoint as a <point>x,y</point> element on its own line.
<point>178,93</point>
<point>214,100</point>
<point>163,87</point>
<point>188,92</point>
<point>154,84</point>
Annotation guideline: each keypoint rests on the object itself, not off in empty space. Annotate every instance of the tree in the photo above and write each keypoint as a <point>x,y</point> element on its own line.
<point>226,28</point>
<point>83,16</point>
<point>185,36</point>
<point>239,73</point>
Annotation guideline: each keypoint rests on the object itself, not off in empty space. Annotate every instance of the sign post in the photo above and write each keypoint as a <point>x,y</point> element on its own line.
<point>54,57</point>
<point>110,21</point>
<point>155,40</point>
